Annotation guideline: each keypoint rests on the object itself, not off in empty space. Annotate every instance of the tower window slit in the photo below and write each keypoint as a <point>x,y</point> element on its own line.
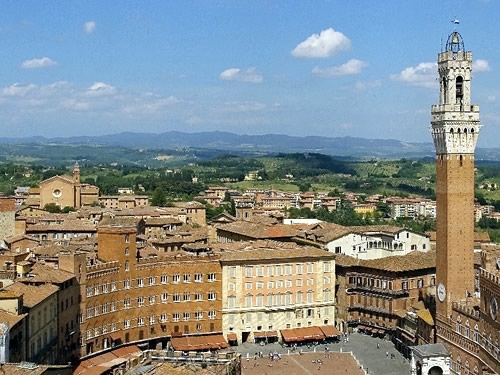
<point>459,86</point>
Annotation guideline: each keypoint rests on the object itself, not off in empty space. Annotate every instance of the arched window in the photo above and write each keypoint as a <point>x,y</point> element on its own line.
<point>476,370</point>
<point>459,89</point>
<point>467,370</point>
<point>459,325</point>
<point>467,328</point>
<point>459,365</point>
<point>476,333</point>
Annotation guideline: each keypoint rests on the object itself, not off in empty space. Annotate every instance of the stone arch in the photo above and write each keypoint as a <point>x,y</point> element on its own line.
<point>435,370</point>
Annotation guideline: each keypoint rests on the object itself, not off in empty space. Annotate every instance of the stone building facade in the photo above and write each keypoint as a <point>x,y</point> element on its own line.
<point>378,292</point>
<point>7,217</point>
<point>269,287</point>
<point>64,191</point>
<point>130,299</point>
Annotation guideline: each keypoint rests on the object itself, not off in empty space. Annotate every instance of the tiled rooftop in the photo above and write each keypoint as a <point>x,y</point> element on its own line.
<point>267,250</point>
<point>415,260</point>
<point>33,295</point>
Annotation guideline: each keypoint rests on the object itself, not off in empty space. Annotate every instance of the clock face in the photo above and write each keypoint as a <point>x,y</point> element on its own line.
<point>441,292</point>
<point>493,308</point>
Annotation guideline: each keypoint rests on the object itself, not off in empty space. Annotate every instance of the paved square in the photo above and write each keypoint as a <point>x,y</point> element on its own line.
<point>376,355</point>
<point>303,364</point>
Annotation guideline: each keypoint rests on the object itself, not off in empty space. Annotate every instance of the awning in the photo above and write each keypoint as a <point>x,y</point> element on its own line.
<point>302,334</point>
<point>264,334</point>
<point>330,331</point>
<point>126,351</point>
<point>289,335</point>
<point>368,329</point>
<point>232,337</point>
<point>115,336</point>
<point>191,343</point>
<point>361,328</point>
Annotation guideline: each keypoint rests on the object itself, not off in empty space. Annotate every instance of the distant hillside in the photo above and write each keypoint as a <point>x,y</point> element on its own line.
<point>340,146</point>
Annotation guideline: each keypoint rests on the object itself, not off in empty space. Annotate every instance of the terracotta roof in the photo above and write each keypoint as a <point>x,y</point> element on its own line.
<point>191,343</point>
<point>326,232</point>
<point>191,204</point>
<point>11,319</point>
<point>426,316</point>
<point>123,221</point>
<point>19,237</point>
<point>48,274</point>
<point>259,231</point>
<point>162,221</point>
<point>33,295</point>
<point>415,260</point>
<point>67,226</point>
<point>267,250</point>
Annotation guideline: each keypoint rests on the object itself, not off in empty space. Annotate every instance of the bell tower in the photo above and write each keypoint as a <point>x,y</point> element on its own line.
<point>455,128</point>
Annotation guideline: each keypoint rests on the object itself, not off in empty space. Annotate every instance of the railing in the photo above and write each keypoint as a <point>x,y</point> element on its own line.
<point>373,289</point>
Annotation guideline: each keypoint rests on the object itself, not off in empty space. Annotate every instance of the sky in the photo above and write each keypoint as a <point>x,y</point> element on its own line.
<point>327,68</point>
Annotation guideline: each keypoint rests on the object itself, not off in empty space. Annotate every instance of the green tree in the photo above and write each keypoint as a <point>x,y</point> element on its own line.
<point>158,198</point>
<point>52,208</point>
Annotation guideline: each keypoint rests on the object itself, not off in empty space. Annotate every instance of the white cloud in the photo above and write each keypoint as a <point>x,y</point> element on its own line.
<point>480,65</point>
<point>99,97</point>
<point>43,62</point>
<point>325,44</point>
<point>366,85</point>
<point>236,74</point>
<point>89,27</point>
<point>491,98</point>
<point>423,75</point>
<point>240,107</point>
<point>18,90</point>
<point>100,89</point>
<point>351,67</point>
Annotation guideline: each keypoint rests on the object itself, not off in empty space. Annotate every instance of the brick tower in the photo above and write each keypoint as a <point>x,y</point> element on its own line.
<point>455,128</point>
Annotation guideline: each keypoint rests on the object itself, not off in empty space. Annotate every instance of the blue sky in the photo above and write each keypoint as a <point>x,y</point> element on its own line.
<point>329,68</point>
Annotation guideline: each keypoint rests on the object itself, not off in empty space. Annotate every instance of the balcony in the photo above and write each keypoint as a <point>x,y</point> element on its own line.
<point>357,288</point>
<point>380,310</point>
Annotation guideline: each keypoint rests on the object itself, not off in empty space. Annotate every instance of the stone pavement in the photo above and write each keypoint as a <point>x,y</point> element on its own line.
<point>332,363</point>
<point>363,347</point>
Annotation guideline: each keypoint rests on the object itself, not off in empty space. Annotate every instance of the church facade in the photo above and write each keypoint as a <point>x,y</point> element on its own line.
<point>64,191</point>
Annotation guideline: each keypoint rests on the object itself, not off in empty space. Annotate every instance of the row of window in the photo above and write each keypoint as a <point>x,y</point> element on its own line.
<point>260,317</point>
<point>151,300</point>
<point>279,284</point>
<point>280,269</point>
<point>386,284</point>
<point>280,299</point>
<point>483,340</point>
<point>151,281</point>
<point>152,320</point>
